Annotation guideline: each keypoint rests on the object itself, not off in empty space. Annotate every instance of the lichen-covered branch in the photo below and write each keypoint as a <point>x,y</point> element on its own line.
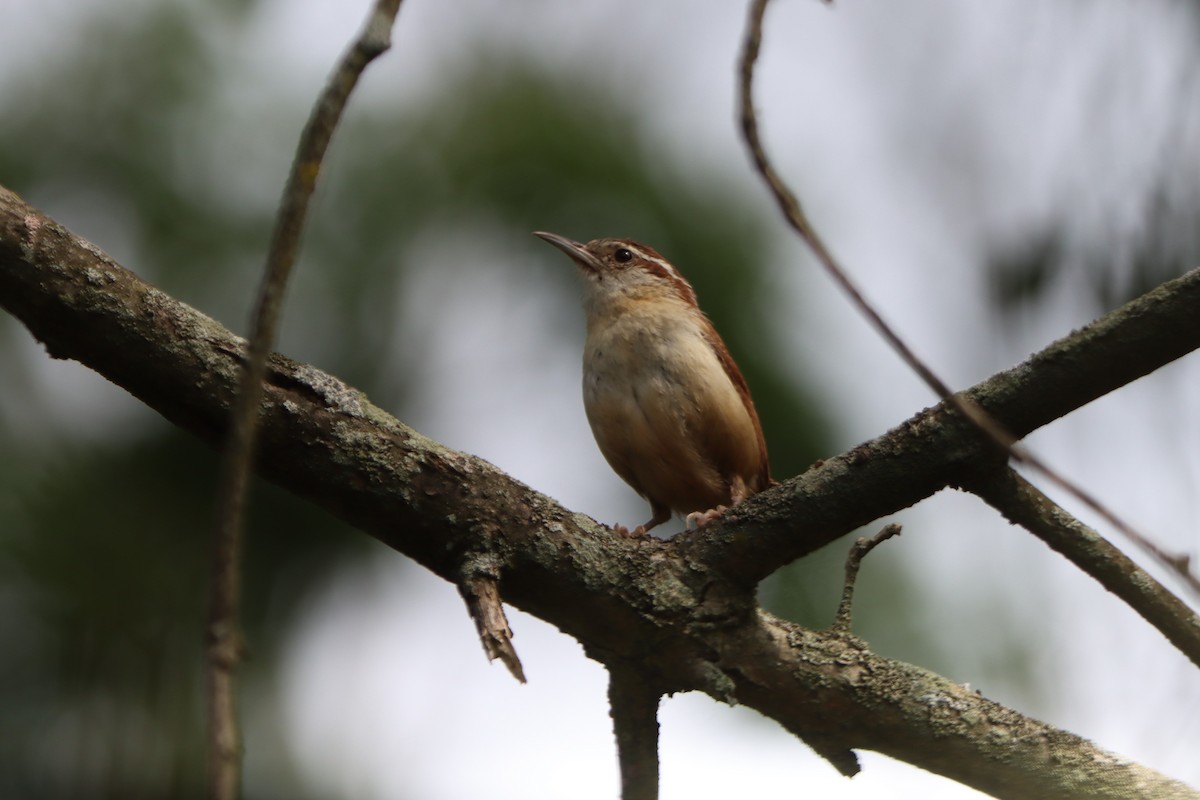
<point>852,698</point>
<point>663,606</point>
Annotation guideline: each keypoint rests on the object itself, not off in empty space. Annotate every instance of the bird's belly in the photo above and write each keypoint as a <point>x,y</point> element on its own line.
<point>652,410</point>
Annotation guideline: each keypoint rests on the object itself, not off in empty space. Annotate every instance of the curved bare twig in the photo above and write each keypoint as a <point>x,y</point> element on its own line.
<point>224,635</point>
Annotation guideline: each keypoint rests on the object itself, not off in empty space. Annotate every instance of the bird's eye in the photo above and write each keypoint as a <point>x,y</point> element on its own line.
<point>622,255</point>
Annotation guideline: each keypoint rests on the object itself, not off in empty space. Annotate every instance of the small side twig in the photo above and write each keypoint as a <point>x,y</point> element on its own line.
<point>858,551</point>
<point>224,636</point>
<point>633,704</point>
<point>793,212</point>
<point>481,592</point>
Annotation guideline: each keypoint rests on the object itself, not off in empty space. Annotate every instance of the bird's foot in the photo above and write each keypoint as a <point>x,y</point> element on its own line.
<point>702,518</point>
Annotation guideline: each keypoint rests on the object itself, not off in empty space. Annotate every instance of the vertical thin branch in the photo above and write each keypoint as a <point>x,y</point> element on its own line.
<point>964,405</point>
<point>633,703</point>
<point>224,637</point>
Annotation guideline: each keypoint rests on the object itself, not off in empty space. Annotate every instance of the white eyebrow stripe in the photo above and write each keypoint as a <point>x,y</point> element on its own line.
<point>685,290</point>
<point>662,262</point>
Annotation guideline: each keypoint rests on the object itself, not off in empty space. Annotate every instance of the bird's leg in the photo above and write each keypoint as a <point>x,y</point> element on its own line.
<point>737,493</point>
<point>660,515</point>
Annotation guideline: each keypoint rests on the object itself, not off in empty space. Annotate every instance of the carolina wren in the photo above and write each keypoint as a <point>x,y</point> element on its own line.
<point>667,404</point>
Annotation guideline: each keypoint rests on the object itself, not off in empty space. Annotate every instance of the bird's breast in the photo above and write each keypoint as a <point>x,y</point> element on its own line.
<point>663,410</point>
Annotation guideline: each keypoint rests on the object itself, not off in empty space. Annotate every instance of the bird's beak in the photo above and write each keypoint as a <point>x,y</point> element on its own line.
<point>577,251</point>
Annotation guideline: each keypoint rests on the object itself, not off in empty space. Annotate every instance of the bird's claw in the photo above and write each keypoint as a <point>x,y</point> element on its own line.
<point>702,518</point>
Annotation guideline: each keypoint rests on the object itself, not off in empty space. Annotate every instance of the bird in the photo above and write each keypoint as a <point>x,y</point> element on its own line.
<point>667,404</point>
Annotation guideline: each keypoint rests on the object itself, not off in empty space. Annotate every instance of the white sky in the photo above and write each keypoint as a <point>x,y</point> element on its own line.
<point>919,133</point>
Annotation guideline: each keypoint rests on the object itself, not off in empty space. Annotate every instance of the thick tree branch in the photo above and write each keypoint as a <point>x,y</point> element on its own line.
<point>651,603</point>
<point>853,698</point>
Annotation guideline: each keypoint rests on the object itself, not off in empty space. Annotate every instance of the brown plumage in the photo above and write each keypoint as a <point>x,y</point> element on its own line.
<point>668,406</point>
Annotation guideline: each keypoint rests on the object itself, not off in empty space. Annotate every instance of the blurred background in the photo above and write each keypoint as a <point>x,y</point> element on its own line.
<point>995,175</point>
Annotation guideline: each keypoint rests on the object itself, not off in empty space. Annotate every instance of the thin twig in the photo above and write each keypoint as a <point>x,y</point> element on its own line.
<point>1023,504</point>
<point>633,705</point>
<point>858,551</point>
<point>968,408</point>
<point>224,636</point>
